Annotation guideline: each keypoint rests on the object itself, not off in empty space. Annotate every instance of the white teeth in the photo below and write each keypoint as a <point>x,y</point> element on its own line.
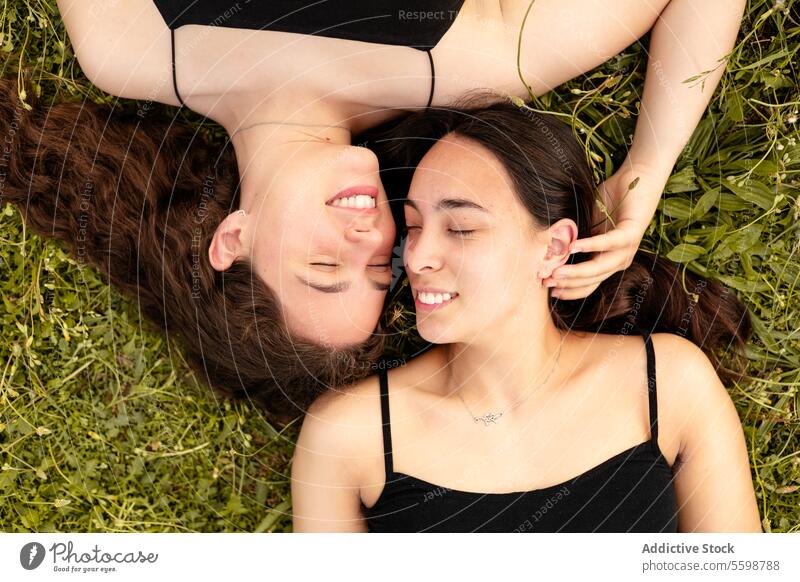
<point>357,201</point>
<point>434,298</point>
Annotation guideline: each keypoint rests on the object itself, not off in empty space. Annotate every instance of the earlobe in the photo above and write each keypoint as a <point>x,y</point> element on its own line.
<point>226,244</point>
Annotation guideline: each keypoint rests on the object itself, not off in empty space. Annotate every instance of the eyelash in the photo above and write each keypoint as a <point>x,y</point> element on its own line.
<point>337,265</point>
<point>459,233</point>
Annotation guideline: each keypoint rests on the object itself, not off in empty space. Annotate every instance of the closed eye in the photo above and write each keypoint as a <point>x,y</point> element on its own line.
<point>337,265</point>
<point>450,230</point>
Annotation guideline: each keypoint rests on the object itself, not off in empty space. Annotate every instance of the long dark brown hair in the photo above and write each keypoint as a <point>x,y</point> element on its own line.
<point>140,201</point>
<point>552,179</point>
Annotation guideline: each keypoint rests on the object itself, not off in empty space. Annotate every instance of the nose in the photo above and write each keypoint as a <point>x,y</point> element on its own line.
<point>421,255</point>
<point>365,235</point>
<point>363,161</point>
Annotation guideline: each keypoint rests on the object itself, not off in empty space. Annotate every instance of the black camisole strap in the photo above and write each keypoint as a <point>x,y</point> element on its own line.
<point>651,390</point>
<point>433,78</point>
<point>174,73</point>
<point>387,429</point>
<point>180,99</point>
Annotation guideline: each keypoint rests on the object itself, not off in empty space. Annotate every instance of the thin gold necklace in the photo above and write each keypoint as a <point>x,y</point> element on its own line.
<point>493,417</point>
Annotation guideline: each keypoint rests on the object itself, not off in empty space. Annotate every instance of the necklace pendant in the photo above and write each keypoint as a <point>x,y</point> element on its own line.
<point>489,417</point>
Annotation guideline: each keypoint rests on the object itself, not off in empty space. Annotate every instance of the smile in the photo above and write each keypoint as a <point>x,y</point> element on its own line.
<point>359,198</point>
<point>358,201</point>
<point>429,299</point>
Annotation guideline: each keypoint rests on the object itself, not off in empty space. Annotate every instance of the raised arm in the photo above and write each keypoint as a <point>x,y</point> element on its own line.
<point>690,38</point>
<point>123,48</point>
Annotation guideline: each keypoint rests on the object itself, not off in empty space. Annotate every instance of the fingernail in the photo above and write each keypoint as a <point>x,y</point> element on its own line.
<point>549,283</point>
<point>554,292</point>
<point>574,250</point>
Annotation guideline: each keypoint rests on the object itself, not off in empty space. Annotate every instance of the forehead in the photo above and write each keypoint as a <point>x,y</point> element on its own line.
<point>462,151</point>
<point>462,165</point>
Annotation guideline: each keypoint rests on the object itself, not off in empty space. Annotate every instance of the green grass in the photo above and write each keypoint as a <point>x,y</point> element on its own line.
<point>104,428</point>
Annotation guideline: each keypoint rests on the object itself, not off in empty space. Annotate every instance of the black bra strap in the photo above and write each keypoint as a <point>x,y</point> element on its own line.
<point>433,78</point>
<point>387,429</point>
<point>651,390</point>
<point>174,74</point>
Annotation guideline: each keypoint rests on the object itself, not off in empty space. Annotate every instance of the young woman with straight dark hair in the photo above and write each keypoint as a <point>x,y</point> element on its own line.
<point>529,413</point>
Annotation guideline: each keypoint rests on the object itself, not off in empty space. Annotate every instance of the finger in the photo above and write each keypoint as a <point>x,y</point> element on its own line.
<point>611,240</point>
<point>577,293</point>
<point>573,283</point>
<point>607,262</point>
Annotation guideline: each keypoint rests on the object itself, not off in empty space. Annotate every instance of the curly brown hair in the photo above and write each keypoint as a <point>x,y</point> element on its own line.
<point>140,201</point>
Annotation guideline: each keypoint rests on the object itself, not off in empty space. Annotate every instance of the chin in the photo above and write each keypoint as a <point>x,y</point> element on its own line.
<point>435,334</point>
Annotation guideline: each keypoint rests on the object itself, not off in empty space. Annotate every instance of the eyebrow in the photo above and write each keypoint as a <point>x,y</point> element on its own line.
<point>449,204</point>
<point>340,287</point>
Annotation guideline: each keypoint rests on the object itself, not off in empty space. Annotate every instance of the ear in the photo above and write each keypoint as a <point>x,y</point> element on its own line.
<point>228,241</point>
<point>561,234</point>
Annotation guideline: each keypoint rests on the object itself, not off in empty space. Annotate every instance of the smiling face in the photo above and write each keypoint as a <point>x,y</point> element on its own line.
<point>470,238</point>
<point>322,240</point>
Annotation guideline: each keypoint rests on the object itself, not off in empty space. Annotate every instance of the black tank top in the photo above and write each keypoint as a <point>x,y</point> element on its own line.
<point>418,24</point>
<point>630,492</point>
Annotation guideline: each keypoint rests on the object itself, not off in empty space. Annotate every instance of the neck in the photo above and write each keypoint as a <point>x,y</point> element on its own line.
<point>492,375</point>
<point>271,132</point>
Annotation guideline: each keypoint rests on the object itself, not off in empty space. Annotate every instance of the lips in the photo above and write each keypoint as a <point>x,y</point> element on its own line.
<point>371,191</point>
<point>429,293</point>
<point>358,199</point>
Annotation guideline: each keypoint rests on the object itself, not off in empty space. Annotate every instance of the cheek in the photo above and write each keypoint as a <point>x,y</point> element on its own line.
<point>389,231</point>
<point>315,231</point>
<point>495,278</point>
<point>279,220</point>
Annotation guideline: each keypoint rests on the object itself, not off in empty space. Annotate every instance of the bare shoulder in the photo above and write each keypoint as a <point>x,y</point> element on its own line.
<point>348,421</point>
<point>327,463</point>
<point>123,48</point>
<point>682,362</point>
<point>342,422</point>
<point>688,386</point>
<point>352,407</point>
